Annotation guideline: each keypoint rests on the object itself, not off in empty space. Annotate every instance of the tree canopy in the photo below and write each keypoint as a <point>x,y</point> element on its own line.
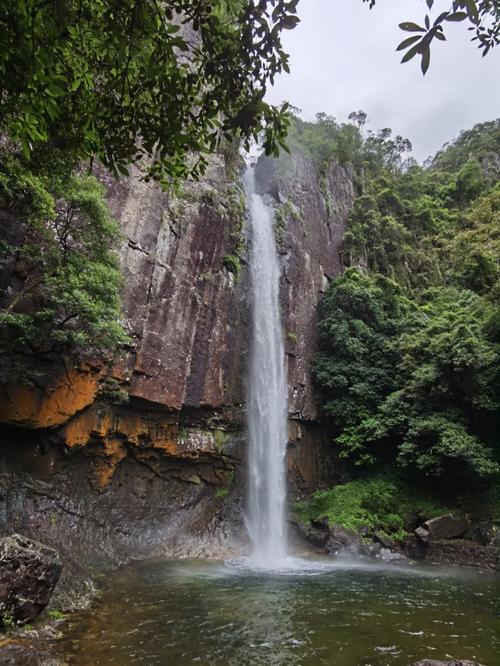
<point>410,335</point>
<point>136,81</point>
<point>159,83</point>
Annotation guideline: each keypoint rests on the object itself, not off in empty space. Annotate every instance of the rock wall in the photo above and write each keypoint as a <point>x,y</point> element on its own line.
<point>102,479</point>
<point>185,309</point>
<point>456,552</point>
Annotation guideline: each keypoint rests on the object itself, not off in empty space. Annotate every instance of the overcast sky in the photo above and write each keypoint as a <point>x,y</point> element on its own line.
<point>343,59</point>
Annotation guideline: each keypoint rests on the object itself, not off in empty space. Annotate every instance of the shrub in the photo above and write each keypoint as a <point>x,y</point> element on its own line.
<point>383,504</point>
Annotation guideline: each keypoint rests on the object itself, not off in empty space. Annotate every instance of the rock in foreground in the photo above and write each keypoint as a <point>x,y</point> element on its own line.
<point>343,541</point>
<point>20,654</point>
<point>29,572</point>
<point>443,527</point>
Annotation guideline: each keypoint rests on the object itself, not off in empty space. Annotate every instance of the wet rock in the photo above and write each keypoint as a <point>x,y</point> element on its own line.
<point>29,572</point>
<point>52,396</point>
<point>317,536</point>
<point>495,537</point>
<point>314,211</point>
<point>343,541</point>
<point>384,541</point>
<point>481,532</point>
<point>17,654</point>
<point>392,556</point>
<point>455,552</point>
<point>370,549</point>
<point>321,524</point>
<point>443,527</point>
<point>463,553</point>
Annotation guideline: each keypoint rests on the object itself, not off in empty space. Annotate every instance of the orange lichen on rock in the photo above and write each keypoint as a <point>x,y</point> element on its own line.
<point>104,422</point>
<point>32,406</point>
<point>96,421</point>
<point>104,466</point>
<point>116,431</point>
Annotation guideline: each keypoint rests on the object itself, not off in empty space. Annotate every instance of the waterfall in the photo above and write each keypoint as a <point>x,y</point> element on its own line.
<point>266,391</point>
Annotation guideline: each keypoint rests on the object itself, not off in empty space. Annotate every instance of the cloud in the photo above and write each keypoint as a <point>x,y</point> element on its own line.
<point>343,59</point>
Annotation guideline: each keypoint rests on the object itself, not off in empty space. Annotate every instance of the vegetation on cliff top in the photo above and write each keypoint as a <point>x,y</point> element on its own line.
<point>159,84</point>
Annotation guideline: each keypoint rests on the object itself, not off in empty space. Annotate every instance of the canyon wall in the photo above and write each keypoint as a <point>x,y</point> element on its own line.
<point>107,459</point>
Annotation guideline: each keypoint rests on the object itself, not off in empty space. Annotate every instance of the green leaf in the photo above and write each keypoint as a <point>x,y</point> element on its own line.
<point>289,22</point>
<point>408,42</point>
<point>412,52</point>
<point>472,11</point>
<point>26,148</point>
<point>456,17</point>
<point>426,59</point>
<point>411,27</point>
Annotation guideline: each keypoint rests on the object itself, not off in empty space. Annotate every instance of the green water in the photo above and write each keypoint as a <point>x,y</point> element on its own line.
<point>174,613</point>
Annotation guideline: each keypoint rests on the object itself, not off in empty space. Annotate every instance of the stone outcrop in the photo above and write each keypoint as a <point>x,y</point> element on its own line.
<point>455,541</point>
<point>50,395</point>
<point>442,527</point>
<point>184,305</point>
<point>21,653</point>
<point>29,572</point>
<point>316,535</point>
<point>339,540</point>
<point>184,308</point>
<point>342,541</point>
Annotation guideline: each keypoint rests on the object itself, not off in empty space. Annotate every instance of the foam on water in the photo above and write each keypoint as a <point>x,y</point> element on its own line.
<point>304,566</point>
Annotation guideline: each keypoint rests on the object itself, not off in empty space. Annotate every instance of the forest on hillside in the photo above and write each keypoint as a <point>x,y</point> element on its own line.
<point>408,360</point>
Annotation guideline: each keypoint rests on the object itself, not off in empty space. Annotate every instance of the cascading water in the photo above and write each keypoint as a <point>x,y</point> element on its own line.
<point>267,391</point>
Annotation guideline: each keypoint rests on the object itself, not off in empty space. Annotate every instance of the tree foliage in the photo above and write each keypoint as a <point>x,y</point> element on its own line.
<point>58,239</point>
<point>483,17</point>
<point>155,84</point>
<point>140,81</point>
<point>410,334</point>
<point>482,141</point>
<point>326,138</point>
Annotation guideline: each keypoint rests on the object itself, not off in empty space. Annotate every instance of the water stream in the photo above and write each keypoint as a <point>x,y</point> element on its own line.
<point>267,391</point>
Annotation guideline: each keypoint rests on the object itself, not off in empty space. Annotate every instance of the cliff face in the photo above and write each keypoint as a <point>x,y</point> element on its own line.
<point>184,308</point>
<point>164,464</point>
